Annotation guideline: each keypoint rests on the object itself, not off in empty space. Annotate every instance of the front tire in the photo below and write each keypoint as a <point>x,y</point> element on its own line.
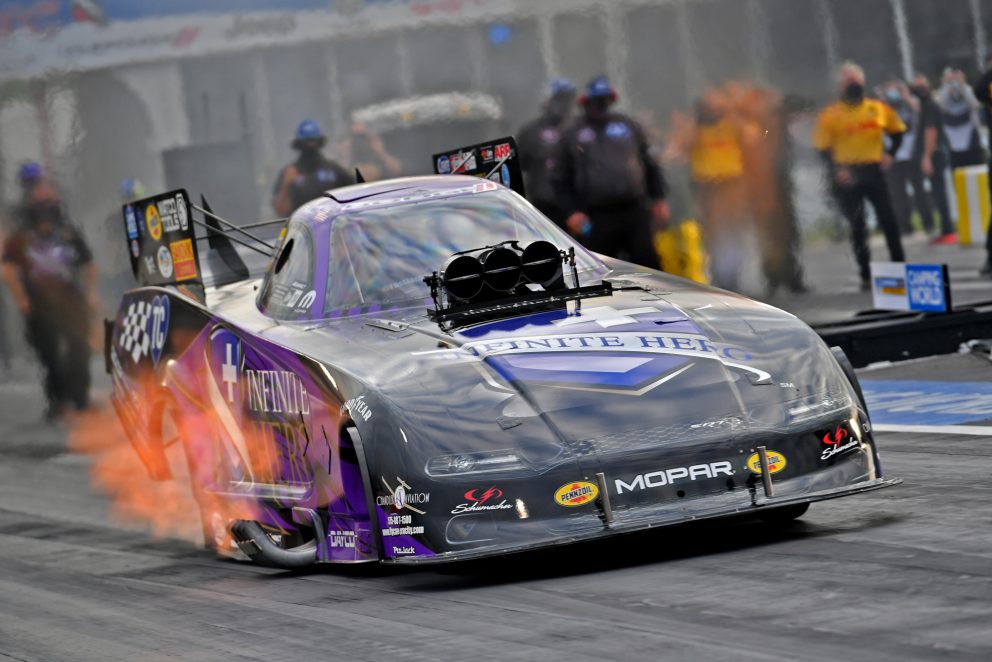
<point>783,515</point>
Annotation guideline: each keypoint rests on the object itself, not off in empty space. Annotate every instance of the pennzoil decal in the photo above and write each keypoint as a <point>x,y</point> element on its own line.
<point>776,462</point>
<point>577,493</point>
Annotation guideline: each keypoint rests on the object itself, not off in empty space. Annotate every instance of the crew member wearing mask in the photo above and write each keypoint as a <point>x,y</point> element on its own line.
<point>930,153</point>
<point>714,145</point>
<point>609,182</point>
<point>539,143</point>
<point>962,121</point>
<point>904,173</point>
<point>850,135</point>
<point>310,175</point>
<point>50,272</point>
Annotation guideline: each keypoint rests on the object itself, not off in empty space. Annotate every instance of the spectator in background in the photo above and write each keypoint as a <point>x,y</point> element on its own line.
<point>962,120</point>
<point>768,177</point>
<point>539,142</point>
<point>365,151</point>
<point>310,175</point>
<point>609,183</point>
<point>983,93</point>
<point>714,143</point>
<point>50,272</point>
<point>849,135</point>
<point>931,154</point>
<point>905,169</point>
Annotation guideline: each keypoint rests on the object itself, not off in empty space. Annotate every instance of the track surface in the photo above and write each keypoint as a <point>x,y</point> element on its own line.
<point>904,573</point>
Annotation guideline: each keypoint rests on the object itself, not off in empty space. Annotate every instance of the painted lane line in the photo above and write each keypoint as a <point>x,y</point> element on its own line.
<point>972,430</point>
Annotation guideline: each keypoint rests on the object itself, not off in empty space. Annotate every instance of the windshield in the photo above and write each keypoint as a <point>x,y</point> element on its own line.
<point>382,255</point>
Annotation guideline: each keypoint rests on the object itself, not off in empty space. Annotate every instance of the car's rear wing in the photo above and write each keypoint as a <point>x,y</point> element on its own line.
<point>496,160</point>
<point>164,245</point>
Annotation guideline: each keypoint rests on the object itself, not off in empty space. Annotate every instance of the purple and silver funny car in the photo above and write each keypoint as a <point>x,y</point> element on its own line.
<point>430,370</point>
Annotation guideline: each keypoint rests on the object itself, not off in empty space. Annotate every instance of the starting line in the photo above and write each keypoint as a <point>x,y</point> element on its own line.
<point>971,430</point>
<point>929,404</point>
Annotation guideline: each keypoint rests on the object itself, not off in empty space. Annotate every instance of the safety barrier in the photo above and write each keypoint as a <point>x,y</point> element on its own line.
<point>971,187</point>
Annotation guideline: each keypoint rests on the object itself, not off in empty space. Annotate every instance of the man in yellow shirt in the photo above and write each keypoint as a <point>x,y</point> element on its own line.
<point>713,143</point>
<point>850,134</point>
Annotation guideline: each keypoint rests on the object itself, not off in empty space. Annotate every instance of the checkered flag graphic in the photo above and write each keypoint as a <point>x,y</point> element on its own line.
<point>134,334</point>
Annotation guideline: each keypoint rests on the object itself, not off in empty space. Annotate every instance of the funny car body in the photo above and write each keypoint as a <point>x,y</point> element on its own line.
<point>430,370</point>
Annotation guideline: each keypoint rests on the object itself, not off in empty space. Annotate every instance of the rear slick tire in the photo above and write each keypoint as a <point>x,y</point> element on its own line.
<point>783,515</point>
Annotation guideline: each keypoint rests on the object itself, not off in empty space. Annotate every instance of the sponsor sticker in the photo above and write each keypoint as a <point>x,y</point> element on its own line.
<point>776,462</point>
<point>343,539</point>
<point>403,496</point>
<point>443,165</point>
<point>131,222</point>
<point>183,259</point>
<point>483,500</point>
<point>502,151</point>
<point>135,248</point>
<point>153,222</point>
<point>487,154</point>
<point>836,441</point>
<point>577,493</point>
<point>164,260</point>
<point>463,161</point>
<point>181,212</point>
<point>358,408</point>
<point>158,326</point>
<point>671,476</point>
<point>167,212</point>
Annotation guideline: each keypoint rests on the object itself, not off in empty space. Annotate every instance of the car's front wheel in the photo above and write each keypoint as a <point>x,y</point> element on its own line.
<point>783,515</point>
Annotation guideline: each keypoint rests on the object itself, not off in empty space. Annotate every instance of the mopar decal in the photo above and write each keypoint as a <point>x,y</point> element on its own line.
<point>776,462</point>
<point>576,494</point>
<point>672,476</point>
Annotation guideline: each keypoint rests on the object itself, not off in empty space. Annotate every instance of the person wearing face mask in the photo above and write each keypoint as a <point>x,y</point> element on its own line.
<point>609,183</point>
<point>539,144</point>
<point>904,174</point>
<point>310,175</point>
<point>930,156</point>
<point>962,121</point>
<point>50,272</point>
<point>850,136</point>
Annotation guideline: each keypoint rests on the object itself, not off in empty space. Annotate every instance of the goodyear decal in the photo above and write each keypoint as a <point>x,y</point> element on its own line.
<point>576,494</point>
<point>776,462</point>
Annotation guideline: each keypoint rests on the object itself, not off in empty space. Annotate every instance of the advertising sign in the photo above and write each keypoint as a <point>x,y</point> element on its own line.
<point>915,287</point>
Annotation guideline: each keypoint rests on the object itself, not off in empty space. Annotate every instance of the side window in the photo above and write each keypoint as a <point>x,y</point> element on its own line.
<point>288,293</point>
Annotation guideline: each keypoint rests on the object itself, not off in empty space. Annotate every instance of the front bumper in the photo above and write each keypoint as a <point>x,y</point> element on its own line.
<point>702,509</point>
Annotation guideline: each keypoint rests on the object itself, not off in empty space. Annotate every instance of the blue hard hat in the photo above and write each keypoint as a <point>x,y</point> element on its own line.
<point>599,87</point>
<point>561,86</point>
<point>30,172</point>
<point>308,130</point>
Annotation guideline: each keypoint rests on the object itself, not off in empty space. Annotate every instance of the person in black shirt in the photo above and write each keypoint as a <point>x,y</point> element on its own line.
<point>539,142</point>
<point>50,272</point>
<point>930,152</point>
<point>310,175</point>
<point>609,183</point>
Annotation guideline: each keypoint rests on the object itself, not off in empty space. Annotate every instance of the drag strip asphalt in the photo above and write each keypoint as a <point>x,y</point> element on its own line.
<point>899,574</point>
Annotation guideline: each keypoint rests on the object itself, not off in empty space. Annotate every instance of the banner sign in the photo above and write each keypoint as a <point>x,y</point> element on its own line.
<point>915,287</point>
<point>162,240</point>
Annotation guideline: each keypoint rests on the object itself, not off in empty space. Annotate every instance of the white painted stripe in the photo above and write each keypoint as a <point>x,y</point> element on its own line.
<point>971,430</point>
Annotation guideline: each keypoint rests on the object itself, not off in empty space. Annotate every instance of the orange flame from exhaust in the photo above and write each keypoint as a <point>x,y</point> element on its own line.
<point>167,507</point>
